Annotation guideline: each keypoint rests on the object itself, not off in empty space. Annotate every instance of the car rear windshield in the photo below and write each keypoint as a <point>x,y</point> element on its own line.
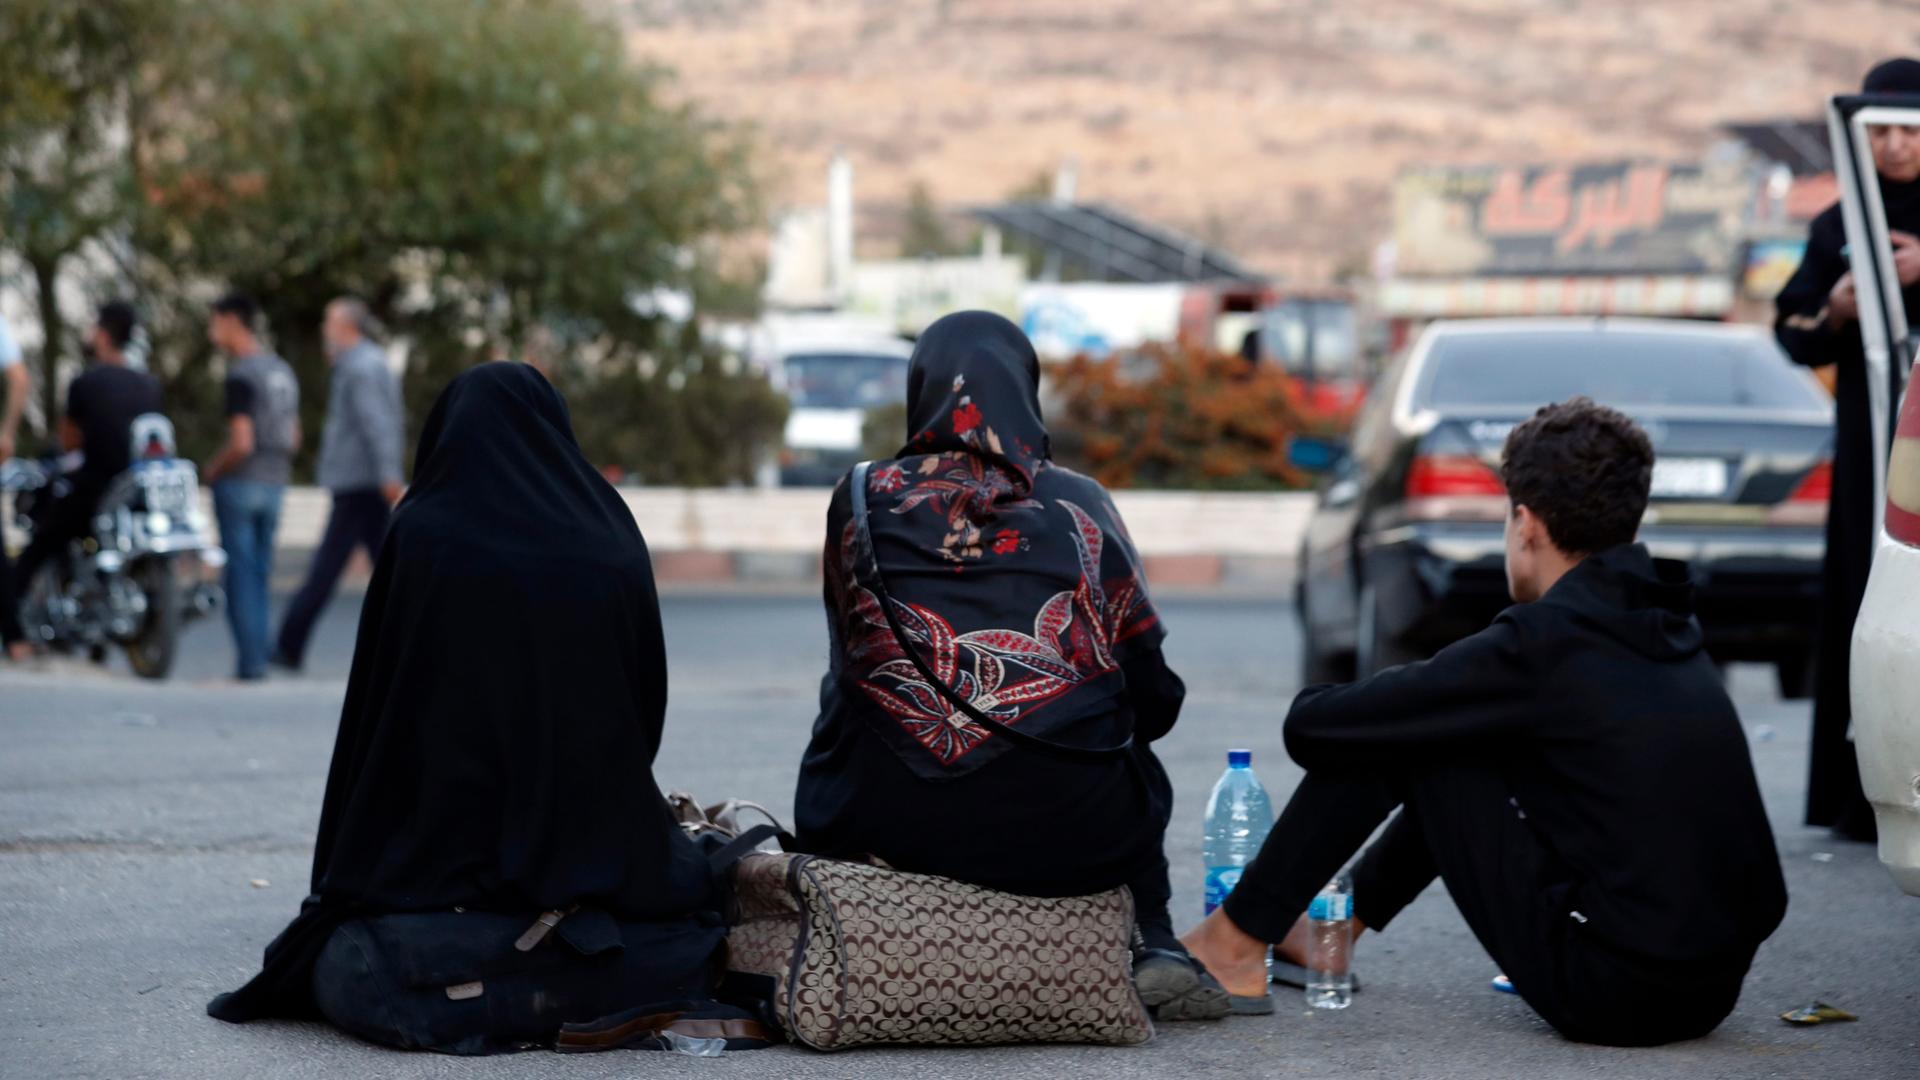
<point>846,380</point>
<point>1615,367</point>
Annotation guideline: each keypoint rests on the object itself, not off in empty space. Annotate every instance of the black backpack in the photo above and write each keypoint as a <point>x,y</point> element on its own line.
<point>462,982</point>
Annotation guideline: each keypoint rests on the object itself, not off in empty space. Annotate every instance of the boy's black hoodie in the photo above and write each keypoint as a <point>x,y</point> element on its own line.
<point>1601,705</point>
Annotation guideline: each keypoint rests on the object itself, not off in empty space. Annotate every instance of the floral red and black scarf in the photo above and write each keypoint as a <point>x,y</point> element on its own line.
<point>1012,577</point>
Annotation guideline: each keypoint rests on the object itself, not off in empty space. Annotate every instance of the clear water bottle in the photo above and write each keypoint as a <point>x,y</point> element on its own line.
<point>1239,815</point>
<point>1330,946</point>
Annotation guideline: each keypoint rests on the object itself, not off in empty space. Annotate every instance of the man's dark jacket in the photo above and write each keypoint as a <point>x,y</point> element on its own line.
<point>1614,727</point>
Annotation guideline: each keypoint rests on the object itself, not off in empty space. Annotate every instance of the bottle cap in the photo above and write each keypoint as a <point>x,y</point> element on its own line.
<point>1240,758</point>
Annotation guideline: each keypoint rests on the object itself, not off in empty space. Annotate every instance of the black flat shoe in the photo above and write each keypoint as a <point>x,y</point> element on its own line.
<point>1175,987</point>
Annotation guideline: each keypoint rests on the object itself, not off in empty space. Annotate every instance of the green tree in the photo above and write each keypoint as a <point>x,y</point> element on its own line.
<point>473,170</point>
<point>64,172</point>
<point>926,230</point>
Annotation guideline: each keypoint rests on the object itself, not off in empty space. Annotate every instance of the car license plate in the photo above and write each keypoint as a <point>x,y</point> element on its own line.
<point>1689,478</point>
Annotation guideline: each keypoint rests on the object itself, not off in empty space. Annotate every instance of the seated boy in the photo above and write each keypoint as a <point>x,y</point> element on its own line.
<point>1575,773</point>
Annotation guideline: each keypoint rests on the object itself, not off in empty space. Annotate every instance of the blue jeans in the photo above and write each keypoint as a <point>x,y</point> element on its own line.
<point>249,512</point>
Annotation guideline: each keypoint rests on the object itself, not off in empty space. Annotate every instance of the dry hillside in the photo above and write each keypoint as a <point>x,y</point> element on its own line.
<point>1271,126</point>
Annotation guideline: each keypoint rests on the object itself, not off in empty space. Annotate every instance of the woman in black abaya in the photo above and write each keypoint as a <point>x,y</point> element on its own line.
<point>505,704</point>
<point>1818,324</point>
<point>1017,585</point>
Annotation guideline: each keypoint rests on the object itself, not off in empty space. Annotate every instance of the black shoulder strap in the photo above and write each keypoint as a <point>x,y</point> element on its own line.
<point>743,845</point>
<point>866,567</point>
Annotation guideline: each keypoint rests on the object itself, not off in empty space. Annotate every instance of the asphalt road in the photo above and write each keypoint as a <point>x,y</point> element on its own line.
<point>153,838</point>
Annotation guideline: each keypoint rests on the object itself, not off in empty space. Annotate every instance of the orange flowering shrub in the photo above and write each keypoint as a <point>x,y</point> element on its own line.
<point>1175,417</point>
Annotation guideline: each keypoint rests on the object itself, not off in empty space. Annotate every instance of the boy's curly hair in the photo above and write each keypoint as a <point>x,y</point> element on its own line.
<point>1584,469</point>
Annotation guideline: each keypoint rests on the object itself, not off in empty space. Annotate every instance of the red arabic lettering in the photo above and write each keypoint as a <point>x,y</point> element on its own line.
<point>1609,209</point>
<point>1517,207</point>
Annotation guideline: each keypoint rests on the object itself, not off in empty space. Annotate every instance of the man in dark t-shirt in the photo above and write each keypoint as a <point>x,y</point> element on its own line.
<point>102,404</point>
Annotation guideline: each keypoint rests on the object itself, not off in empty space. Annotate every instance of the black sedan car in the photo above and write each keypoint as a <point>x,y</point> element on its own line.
<point>1404,553</point>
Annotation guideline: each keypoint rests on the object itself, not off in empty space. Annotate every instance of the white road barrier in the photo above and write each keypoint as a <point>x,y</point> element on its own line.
<point>793,520</point>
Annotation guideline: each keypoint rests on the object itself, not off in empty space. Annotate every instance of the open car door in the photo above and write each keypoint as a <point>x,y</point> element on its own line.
<point>1885,659</point>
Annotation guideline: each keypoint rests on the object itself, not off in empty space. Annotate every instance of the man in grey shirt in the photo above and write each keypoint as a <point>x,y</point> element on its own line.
<point>359,463</point>
<point>249,475</point>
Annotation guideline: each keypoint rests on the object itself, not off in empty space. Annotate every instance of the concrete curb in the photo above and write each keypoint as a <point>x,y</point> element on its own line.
<point>749,538</point>
<point>783,572</point>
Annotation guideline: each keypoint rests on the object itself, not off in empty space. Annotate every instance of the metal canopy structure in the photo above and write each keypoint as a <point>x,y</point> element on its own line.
<point>1099,243</point>
<point>1800,145</point>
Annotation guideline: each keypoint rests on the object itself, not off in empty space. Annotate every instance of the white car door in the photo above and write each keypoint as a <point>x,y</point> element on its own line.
<point>1885,658</point>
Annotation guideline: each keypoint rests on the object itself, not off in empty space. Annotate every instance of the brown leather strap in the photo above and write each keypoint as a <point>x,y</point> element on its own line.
<point>656,1023</point>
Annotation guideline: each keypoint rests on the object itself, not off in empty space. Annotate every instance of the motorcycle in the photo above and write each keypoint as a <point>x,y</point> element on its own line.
<point>143,570</point>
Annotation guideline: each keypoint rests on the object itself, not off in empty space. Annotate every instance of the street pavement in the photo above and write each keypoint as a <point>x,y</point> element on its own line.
<point>153,838</point>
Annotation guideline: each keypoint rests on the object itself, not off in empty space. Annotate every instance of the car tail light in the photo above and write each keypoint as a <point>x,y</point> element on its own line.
<point>1454,487</point>
<point>1903,475</point>
<point>1807,504</point>
<point>1452,474</point>
<point>1816,486</point>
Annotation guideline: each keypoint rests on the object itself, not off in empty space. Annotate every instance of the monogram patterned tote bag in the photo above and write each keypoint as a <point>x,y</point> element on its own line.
<point>862,955</point>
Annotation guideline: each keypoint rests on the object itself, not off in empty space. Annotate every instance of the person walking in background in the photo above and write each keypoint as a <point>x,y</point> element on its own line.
<point>14,374</point>
<point>1818,324</point>
<point>249,475</point>
<point>359,465</point>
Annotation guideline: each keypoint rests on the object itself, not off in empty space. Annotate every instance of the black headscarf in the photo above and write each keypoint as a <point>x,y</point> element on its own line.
<point>506,700</point>
<point>1013,577</point>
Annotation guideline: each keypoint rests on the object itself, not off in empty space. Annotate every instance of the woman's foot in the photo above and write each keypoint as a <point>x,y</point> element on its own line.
<point>1293,948</point>
<point>1236,958</point>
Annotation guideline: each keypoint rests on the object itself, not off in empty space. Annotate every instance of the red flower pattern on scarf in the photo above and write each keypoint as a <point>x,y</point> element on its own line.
<point>1003,673</point>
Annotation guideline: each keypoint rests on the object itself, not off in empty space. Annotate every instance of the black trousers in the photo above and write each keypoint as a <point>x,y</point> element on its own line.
<point>1463,824</point>
<point>57,523</point>
<point>358,519</point>
<point>10,629</point>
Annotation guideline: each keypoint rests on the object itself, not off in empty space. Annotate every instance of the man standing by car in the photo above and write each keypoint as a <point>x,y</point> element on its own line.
<point>101,407</point>
<point>1818,324</point>
<point>249,475</point>
<point>360,452</point>
<point>14,374</point>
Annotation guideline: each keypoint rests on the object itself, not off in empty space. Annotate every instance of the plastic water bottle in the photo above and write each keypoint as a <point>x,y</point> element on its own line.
<point>1330,946</point>
<point>1239,815</point>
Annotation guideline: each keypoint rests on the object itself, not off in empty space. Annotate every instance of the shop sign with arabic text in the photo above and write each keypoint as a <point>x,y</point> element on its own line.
<point>1622,218</point>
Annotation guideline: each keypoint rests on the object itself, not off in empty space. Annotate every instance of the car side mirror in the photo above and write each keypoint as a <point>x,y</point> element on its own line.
<point>1312,453</point>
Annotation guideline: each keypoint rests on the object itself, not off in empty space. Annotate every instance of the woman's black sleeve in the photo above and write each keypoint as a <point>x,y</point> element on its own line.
<point>1154,691</point>
<point>1800,311</point>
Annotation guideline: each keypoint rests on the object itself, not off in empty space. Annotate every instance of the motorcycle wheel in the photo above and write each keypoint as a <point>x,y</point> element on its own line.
<point>151,651</point>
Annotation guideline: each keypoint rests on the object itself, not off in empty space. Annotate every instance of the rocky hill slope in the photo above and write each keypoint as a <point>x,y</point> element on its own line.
<point>1271,126</point>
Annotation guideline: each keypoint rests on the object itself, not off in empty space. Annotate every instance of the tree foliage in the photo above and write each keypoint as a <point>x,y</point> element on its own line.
<point>1177,417</point>
<point>926,233</point>
<point>64,70</point>
<point>478,172</point>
